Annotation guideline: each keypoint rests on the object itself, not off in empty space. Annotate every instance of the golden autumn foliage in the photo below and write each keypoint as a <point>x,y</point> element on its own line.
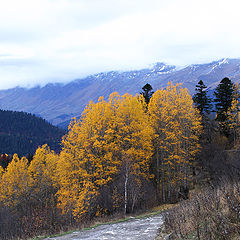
<point>133,135</point>
<point>132,139</point>
<point>86,161</point>
<point>118,147</point>
<point>233,115</point>
<point>14,190</point>
<point>1,172</point>
<point>177,126</point>
<point>111,134</point>
<point>42,171</point>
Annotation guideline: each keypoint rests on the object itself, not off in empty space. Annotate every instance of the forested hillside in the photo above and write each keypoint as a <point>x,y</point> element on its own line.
<point>128,154</point>
<point>125,154</point>
<point>22,133</point>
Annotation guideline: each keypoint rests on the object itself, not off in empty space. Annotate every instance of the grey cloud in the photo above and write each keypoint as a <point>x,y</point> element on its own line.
<point>59,40</point>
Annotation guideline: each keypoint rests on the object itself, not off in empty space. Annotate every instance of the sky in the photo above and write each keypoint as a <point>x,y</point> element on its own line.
<point>43,41</point>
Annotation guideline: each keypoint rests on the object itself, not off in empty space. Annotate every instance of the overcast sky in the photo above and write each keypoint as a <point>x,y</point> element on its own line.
<point>59,40</point>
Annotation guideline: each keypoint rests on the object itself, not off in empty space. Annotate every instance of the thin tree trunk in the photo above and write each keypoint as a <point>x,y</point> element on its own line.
<point>158,176</point>
<point>186,175</point>
<point>158,165</point>
<point>234,137</point>
<point>125,192</point>
<point>162,179</point>
<point>169,185</point>
<point>133,202</point>
<point>163,189</point>
<point>198,232</point>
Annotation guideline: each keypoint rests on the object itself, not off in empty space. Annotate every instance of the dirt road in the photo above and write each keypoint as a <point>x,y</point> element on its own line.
<point>134,229</point>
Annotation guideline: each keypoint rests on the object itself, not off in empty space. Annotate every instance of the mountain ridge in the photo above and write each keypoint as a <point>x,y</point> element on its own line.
<point>58,102</point>
<point>22,133</point>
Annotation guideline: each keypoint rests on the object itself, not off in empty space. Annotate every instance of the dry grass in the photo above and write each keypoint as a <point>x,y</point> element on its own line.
<point>212,214</point>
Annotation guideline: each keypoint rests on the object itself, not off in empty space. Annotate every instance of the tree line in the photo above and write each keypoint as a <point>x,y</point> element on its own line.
<point>226,105</point>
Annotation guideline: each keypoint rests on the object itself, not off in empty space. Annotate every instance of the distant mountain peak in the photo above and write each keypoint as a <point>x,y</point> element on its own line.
<point>162,68</point>
<point>58,103</point>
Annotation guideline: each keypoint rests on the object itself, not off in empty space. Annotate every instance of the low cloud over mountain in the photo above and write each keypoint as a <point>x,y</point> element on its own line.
<point>58,103</point>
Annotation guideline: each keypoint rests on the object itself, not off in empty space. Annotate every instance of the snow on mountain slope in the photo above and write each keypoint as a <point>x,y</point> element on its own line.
<point>58,103</point>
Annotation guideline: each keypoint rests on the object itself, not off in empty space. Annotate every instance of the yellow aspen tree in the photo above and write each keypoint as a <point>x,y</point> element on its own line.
<point>110,137</point>
<point>15,190</point>
<point>1,174</point>
<point>190,124</point>
<point>43,181</point>
<point>86,162</point>
<point>133,140</point>
<point>233,120</point>
<point>155,111</point>
<point>177,125</point>
<point>1,171</point>
<point>233,114</point>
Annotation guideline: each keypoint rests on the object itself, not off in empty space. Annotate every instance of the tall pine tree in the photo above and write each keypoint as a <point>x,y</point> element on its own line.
<point>223,99</point>
<point>147,92</point>
<point>200,98</point>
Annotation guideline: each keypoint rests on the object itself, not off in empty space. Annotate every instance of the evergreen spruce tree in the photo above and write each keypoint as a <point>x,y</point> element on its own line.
<point>223,99</point>
<point>200,98</point>
<point>147,92</point>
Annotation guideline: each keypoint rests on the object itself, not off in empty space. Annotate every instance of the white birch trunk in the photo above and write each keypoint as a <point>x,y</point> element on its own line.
<point>125,192</point>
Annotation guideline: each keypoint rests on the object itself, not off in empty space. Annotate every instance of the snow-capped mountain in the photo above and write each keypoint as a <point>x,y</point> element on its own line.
<point>58,103</point>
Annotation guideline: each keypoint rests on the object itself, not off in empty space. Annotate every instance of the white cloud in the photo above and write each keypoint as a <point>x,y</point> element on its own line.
<point>59,40</point>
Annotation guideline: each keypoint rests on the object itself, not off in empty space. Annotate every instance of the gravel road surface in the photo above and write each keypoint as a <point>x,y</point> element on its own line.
<point>134,229</point>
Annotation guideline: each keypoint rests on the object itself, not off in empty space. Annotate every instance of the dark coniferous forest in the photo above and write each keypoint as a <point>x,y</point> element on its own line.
<point>22,133</point>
